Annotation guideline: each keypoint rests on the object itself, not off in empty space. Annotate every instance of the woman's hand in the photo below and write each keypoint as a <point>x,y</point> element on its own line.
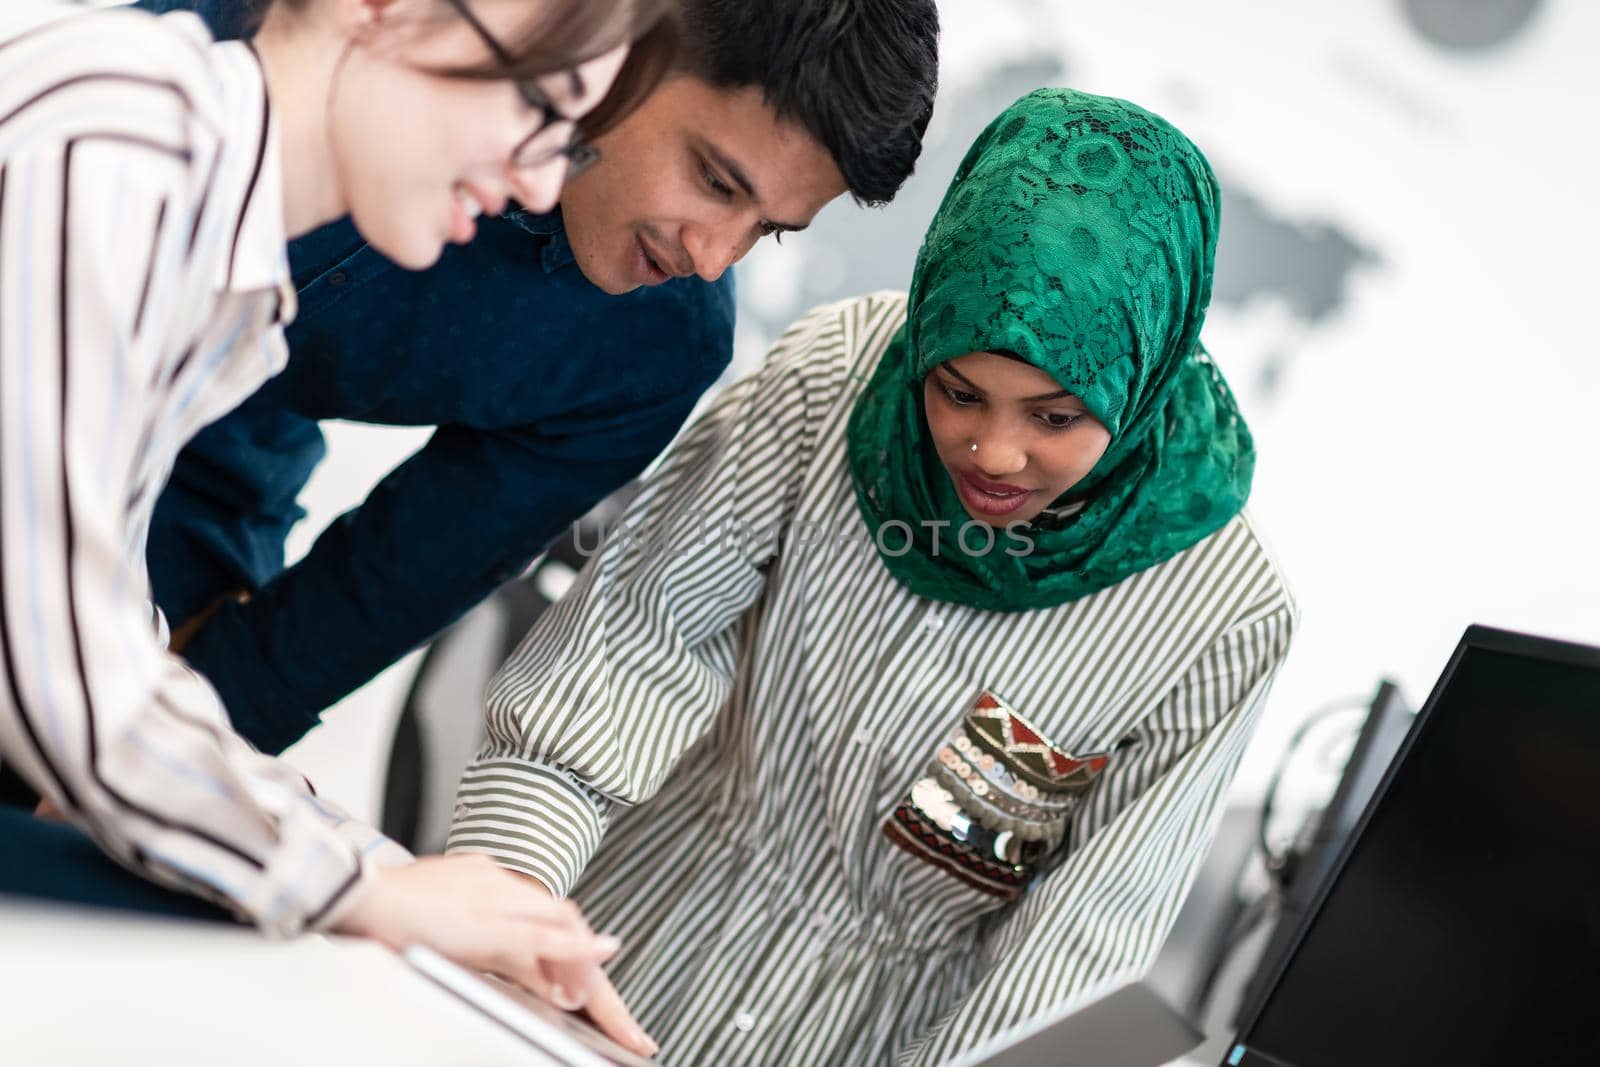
<point>605,1008</point>
<point>468,908</point>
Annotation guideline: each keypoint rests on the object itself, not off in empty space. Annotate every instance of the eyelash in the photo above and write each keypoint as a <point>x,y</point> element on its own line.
<point>721,190</point>
<point>716,184</point>
<point>961,399</point>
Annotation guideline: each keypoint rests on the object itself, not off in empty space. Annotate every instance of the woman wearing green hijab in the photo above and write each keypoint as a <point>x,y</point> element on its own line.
<point>906,692</point>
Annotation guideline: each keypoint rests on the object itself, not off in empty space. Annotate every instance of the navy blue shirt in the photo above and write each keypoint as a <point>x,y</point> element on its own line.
<point>547,393</point>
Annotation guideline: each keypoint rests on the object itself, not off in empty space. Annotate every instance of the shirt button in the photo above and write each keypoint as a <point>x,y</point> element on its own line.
<point>862,736</point>
<point>744,1022</point>
<point>338,278</point>
<point>818,921</point>
<point>934,624</point>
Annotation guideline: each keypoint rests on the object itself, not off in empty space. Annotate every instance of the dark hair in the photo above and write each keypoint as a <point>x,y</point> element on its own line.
<point>579,30</point>
<point>858,75</point>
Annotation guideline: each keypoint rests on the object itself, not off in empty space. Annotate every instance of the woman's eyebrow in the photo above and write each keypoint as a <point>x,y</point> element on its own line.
<point>948,369</point>
<point>1059,394</point>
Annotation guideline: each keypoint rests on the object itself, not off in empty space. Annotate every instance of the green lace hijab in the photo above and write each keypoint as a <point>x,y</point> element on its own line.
<point>1079,234</point>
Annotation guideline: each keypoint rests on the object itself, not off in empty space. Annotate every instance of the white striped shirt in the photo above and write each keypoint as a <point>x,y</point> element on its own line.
<point>143,288</point>
<point>706,739</point>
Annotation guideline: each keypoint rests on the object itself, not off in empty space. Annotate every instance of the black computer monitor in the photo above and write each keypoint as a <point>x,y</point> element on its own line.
<point>1382,733</point>
<point>1462,923</point>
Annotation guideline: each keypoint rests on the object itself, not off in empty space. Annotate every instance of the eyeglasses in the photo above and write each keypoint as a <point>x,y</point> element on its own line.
<point>579,153</point>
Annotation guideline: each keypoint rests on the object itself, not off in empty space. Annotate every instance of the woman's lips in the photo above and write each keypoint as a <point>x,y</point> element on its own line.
<point>991,498</point>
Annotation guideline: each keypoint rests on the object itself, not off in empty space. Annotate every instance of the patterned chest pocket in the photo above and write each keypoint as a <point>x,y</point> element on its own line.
<point>993,800</point>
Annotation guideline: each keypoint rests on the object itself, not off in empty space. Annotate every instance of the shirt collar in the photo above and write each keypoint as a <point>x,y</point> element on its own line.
<point>557,251</point>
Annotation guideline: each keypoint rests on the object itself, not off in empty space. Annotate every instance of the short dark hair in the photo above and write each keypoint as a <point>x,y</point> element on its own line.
<point>858,75</point>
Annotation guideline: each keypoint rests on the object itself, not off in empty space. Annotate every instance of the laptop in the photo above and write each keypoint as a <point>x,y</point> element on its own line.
<point>1461,922</point>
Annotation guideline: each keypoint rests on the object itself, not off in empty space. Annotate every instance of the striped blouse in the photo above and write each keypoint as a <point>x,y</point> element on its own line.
<point>784,781</point>
<point>143,286</point>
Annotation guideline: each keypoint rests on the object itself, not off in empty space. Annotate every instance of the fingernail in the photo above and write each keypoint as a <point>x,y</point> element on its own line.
<point>563,999</point>
<point>648,1043</point>
<point>608,943</point>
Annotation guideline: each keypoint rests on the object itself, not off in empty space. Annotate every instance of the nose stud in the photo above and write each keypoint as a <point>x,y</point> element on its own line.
<point>974,446</point>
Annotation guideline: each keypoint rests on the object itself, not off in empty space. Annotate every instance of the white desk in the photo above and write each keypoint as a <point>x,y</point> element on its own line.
<point>97,988</point>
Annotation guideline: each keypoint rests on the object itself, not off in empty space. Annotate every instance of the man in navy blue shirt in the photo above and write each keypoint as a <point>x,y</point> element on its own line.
<point>556,354</point>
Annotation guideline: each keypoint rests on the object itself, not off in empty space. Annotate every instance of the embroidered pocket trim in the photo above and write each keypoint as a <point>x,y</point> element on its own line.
<point>993,801</point>
<point>1028,752</point>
